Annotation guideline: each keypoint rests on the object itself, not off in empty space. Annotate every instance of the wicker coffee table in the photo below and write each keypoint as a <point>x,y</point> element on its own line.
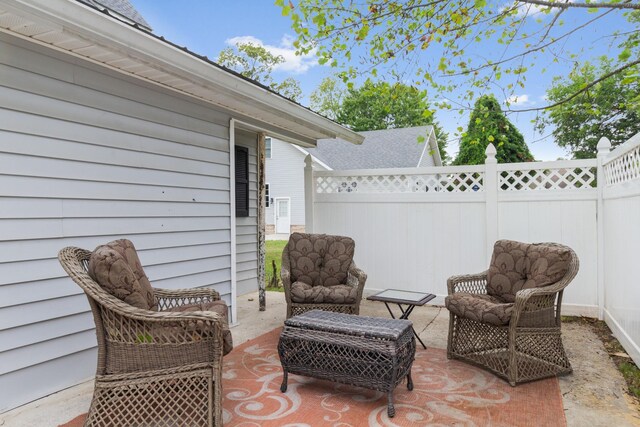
<point>369,352</point>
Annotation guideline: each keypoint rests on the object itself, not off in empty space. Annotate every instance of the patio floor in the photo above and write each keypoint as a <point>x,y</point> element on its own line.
<point>593,395</point>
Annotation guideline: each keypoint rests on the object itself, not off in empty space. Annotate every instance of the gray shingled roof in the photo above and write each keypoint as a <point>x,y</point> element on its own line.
<point>121,7</point>
<point>388,148</point>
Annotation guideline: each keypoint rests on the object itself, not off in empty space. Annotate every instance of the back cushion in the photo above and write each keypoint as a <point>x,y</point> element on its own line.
<point>516,266</point>
<point>546,264</point>
<point>337,259</point>
<point>116,267</point>
<point>507,273</point>
<point>319,259</point>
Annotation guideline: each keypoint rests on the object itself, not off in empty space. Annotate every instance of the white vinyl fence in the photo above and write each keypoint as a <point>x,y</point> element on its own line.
<point>621,230</point>
<point>416,227</point>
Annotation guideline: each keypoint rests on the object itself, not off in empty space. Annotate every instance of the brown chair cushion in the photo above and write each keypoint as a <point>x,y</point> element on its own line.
<point>338,294</point>
<point>116,267</point>
<point>546,264</point>
<point>480,308</point>
<point>219,307</point>
<point>506,274</point>
<point>516,266</point>
<point>320,259</point>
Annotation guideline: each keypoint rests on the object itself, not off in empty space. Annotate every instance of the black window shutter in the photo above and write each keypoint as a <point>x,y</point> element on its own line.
<point>242,181</point>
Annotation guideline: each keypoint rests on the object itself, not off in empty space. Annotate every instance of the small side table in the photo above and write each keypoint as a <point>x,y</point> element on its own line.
<point>408,298</point>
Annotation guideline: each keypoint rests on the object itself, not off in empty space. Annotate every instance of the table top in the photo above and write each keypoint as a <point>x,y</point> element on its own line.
<point>402,297</point>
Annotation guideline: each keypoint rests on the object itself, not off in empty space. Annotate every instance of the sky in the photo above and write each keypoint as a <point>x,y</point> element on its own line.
<point>208,26</point>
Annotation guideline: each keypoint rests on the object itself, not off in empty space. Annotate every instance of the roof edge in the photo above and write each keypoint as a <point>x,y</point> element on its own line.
<point>87,21</point>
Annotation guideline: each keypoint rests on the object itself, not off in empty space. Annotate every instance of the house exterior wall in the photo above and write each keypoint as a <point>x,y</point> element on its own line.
<point>285,175</point>
<point>247,227</point>
<point>88,156</point>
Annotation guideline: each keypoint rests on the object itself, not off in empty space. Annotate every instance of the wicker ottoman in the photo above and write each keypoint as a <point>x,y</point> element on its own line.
<point>369,352</point>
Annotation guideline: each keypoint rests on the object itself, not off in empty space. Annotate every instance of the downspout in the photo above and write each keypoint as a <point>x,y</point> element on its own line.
<point>232,216</point>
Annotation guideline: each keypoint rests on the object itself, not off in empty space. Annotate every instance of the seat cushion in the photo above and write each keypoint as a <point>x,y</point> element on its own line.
<point>338,294</point>
<point>117,269</point>
<point>219,307</point>
<point>480,308</point>
<point>320,259</point>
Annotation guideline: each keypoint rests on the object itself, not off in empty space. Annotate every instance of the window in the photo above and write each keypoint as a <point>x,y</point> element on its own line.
<point>267,148</point>
<point>266,195</point>
<point>242,181</point>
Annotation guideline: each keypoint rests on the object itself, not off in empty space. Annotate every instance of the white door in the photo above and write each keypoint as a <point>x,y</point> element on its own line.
<point>283,215</point>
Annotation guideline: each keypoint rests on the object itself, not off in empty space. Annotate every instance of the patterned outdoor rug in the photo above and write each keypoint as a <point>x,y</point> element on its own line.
<point>446,393</point>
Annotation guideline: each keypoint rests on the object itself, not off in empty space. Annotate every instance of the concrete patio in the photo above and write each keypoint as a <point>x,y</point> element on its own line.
<point>593,395</point>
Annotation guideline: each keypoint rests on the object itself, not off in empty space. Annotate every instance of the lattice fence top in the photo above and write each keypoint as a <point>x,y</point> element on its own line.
<point>459,182</point>
<point>541,179</point>
<point>624,168</point>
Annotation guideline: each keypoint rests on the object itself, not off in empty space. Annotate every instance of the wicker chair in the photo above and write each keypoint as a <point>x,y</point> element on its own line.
<point>318,272</point>
<point>154,367</point>
<point>507,319</point>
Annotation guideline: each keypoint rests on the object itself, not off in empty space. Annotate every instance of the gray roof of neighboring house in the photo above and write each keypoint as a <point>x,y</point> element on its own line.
<point>388,148</point>
<point>121,7</point>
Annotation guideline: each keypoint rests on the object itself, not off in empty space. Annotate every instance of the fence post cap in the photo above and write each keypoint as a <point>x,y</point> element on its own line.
<point>491,151</point>
<point>308,161</point>
<point>604,145</point>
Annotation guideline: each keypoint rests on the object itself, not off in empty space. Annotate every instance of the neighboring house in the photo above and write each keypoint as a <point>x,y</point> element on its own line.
<point>284,175</point>
<point>108,131</point>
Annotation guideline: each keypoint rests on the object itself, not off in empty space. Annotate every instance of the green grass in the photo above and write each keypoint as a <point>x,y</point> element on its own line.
<point>274,253</point>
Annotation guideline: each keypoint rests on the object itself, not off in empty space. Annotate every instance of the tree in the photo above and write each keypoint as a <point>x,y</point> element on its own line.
<point>327,98</point>
<point>397,35</point>
<point>488,124</point>
<point>257,63</point>
<point>610,108</point>
<point>381,105</point>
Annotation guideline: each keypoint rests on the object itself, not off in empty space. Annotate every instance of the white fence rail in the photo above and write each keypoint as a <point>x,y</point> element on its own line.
<point>416,227</point>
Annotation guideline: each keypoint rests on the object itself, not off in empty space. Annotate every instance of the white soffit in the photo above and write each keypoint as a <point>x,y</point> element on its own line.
<point>72,27</point>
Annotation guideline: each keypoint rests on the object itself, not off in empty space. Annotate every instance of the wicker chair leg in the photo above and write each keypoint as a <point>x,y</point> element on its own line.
<point>450,337</point>
<point>285,377</point>
<point>409,381</point>
<point>391,410</point>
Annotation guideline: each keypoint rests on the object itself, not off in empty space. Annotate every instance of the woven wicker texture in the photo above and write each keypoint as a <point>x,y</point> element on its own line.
<point>154,368</point>
<point>529,346</point>
<point>320,260</point>
<point>368,352</point>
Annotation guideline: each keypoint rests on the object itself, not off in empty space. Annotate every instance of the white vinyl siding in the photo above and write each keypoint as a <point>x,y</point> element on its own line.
<point>247,227</point>
<point>285,175</point>
<point>87,157</point>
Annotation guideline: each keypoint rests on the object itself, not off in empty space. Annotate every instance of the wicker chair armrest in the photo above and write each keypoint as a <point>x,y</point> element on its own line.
<point>471,283</point>
<point>134,325</point>
<point>285,276</point>
<point>357,278</point>
<point>534,298</point>
<point>170,298</point>
<point>160,317</point>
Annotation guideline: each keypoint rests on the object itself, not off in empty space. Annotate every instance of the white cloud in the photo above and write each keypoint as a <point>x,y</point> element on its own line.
<point>525,9</point>
<point>519,100</point>
<point>292,62</point>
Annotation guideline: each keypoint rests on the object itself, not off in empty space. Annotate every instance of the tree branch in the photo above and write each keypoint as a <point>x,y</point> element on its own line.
<point>625,5</point>
<point>584,89</point>
<point>528,51</point>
